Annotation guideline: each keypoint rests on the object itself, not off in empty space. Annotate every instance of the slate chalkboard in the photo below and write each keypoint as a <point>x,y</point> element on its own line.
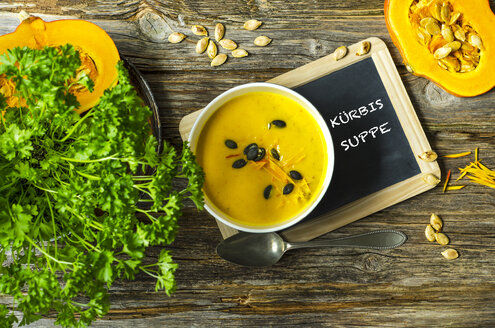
<point>376,133</point>
<point>371,150</point>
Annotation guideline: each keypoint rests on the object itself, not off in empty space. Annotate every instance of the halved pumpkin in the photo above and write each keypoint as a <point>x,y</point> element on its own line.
<point>419,55</point>
<point>99,55</point>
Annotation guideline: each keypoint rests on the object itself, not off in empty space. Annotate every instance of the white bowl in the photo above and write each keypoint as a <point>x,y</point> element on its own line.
<point>216,103</point>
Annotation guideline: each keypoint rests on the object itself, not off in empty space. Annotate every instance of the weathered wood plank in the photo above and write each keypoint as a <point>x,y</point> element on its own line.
<point>412,286</point>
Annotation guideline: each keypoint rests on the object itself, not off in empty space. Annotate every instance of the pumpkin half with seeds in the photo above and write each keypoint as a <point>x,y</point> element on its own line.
<point>97,51</point>
<point>450,42</point>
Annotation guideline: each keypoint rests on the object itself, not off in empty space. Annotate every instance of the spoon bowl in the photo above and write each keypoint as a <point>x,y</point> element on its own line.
<point>266,249</point>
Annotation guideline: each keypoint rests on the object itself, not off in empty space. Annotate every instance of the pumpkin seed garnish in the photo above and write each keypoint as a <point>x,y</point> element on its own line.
<point>261,154</point>
<point>239,164</point>
<point>228,44</point>
<point>288,188</point>
<point>199,30</point>
<point>267,191</point>
<point>295,175</point>
<point>239,53</point>
<point>219,32</point>
<point>262,41</point>
<point>231,144</point>
<point>219,60</point>
<point>279,123</point>
<point>275,154</point>
<point>176,37</point>
<point>202,44</point>
<point>252,24</point>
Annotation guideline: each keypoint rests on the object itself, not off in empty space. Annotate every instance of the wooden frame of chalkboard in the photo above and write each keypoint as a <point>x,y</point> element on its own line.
<point>384,134</point>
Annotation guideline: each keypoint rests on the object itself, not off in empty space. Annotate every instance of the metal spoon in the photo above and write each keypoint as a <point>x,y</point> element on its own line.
<point>266,249</point>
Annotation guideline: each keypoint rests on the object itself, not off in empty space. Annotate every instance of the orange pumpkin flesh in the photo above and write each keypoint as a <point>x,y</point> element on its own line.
<point>421,61</point>
<point>99,55</point>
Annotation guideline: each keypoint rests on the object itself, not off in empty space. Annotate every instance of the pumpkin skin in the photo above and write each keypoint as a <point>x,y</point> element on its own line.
<point>421,61</point>
<point>100,53</point>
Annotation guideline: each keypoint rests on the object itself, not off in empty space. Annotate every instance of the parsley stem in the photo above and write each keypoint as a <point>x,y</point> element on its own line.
<point>44,253</point>
<point>53,223</point>
<point>75,126</point>
<point>89,160</point>
<point>152,219</point>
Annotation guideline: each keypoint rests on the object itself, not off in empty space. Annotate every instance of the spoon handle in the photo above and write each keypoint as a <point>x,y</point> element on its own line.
<point>381,239</point>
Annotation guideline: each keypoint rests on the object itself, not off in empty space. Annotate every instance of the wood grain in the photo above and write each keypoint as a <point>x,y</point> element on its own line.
<point>412,286</point>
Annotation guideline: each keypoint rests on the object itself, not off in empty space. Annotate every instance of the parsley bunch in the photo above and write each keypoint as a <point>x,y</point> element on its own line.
<point>70,189</point>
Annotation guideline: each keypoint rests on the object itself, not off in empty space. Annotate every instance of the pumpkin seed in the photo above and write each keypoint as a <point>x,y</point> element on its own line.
<point>252,153</point>
<point>442,238</point>
<point>442,52</point>
<point>475,41</point>
<point>442,65</point>
<point>279,123</point>
<point>295,175</point>
<point>231,144</point>
<point>219,60</point>
<point>433,28</point>
<point>238,53</point>
<point>201,45</point>
<point>252,24</point>
<point>467,47</point>
<point>460,34</point>
<point>261,154</point>
<point>430,233</point>
<point>427,20</point>
<point>267,191</point>
<point>275,154</point>
<point>176,37</point>
<point>340,52</point>
<point>288,188</point>
<point>431,179</point>
<point>428,156</point>
<point>199,30</point>
<point>447,33</point>
<point>436,222</point>
<point>445,12</point>
<point>219,31</point>
<point>409,68</point>
<point>364,48</point>
<point>466,68</point>
<point>450,254</point>
<point>454,17</point>
<point>454,45</point>
<point>262,41</point>
<point>239,164</point>
<point>436,11</point>
<point>248,147</point>
<point>453,65</point>
<point>423,35</point>
<point>212,50</point>
<point>228,44</point>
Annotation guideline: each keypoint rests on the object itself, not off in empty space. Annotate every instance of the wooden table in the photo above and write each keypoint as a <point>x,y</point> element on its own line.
<point>412,286</point>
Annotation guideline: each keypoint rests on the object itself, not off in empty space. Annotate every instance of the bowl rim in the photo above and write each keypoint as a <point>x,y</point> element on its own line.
<point>230,94</point>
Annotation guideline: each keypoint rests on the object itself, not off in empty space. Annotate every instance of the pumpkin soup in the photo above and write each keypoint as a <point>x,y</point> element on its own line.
<point>264,158</point>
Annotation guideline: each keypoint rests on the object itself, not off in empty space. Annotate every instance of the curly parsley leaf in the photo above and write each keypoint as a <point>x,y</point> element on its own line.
<point>72,186</point>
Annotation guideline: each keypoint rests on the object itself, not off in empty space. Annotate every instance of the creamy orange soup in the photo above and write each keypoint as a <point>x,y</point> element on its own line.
<point>269,182</point>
